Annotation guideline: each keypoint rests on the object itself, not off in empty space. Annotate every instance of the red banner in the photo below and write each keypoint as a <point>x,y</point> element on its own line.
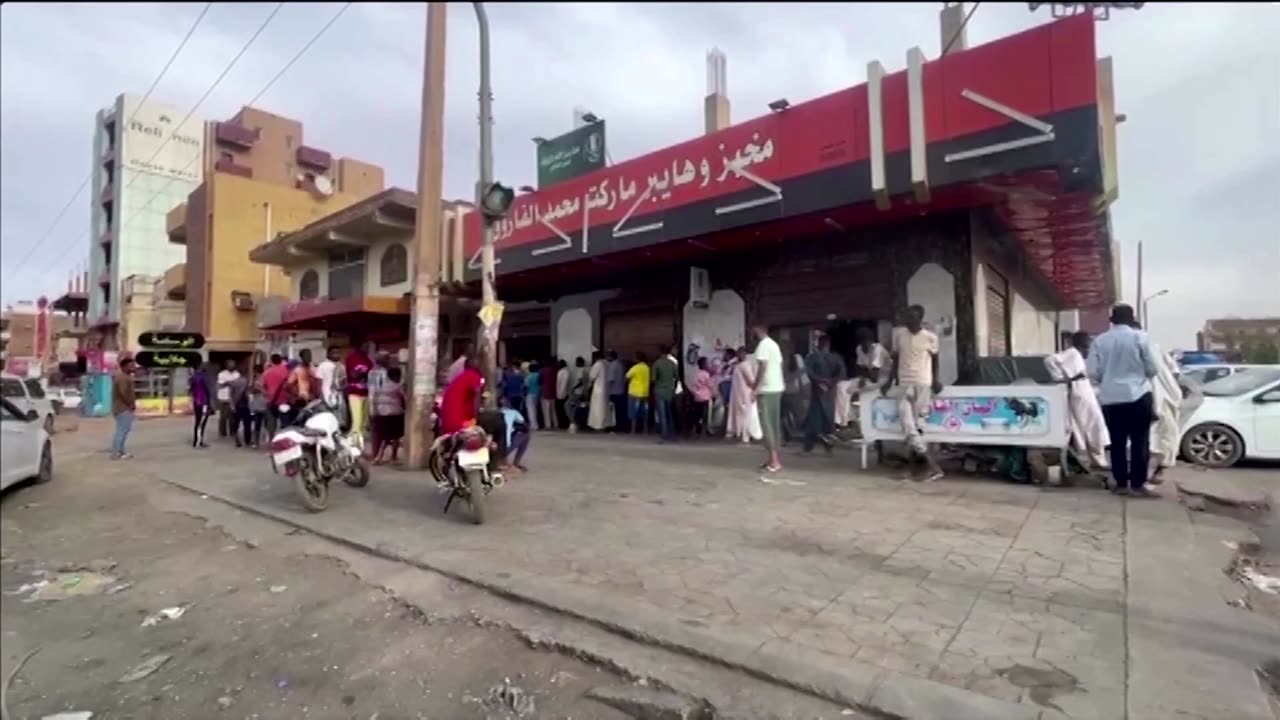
<point>1036,73</point>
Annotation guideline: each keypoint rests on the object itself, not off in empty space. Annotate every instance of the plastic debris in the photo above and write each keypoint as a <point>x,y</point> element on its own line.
<point>119,588</point>
<point>782,481</point>
<point>165,614</point>
<point>64,585</point>
<point>1266,583</point>
<point>73,715</point>
<point>145,668</point>
<point>511,697</point>
<point>277,589</point>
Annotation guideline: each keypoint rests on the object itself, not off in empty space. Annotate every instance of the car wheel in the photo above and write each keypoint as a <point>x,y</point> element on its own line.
<point>45,473</point>
<point>1213,445</point>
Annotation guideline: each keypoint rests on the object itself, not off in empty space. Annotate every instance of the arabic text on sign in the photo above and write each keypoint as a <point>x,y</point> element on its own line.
<point>608,192</point>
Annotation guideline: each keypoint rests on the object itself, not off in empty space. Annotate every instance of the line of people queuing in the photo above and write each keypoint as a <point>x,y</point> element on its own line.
<point>367,392</point>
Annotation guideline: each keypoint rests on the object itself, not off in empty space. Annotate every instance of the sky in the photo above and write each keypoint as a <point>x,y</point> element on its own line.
<point>1199,155</point>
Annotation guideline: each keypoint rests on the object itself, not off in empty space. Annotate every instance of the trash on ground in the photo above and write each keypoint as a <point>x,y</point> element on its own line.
<point>73,715</point>
<point>64,585</point>
<point>121,587</point>
<point>277,589</point>
<point>145,668</point>
<point>165,614</point>
<point>1266,583</point>
<point>510,697</point>
<point>562,676</point>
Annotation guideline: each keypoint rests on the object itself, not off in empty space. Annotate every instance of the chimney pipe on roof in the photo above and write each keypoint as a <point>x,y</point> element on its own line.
<point>716,105</point>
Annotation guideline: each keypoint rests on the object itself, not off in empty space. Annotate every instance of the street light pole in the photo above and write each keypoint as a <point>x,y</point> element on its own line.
<point>488,340</point>
<point>426,290</point>
<point>1146,317</point>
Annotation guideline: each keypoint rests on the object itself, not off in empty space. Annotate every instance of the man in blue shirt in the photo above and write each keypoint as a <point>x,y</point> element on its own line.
<point>1122,364</point>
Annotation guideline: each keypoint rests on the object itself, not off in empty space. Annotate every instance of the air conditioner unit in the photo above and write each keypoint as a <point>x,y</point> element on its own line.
<point>699,287</point>
<point>242,300</point>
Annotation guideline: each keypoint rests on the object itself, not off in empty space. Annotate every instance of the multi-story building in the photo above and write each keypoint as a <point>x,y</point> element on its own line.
<point>260,181</point>
<point>28,334</point>
<point>1242,337</point>
<point>143,163</point>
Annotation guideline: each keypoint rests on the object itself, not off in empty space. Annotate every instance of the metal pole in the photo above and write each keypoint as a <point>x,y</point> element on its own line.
<point>426,232</point>
<point>488,343</point>
<point>1138,310</point>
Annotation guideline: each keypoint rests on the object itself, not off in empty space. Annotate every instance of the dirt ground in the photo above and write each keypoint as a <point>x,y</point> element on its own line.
<point>87,563</point>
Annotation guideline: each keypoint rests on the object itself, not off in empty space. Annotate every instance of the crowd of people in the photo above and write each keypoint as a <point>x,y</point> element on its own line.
<point>1124,396</point>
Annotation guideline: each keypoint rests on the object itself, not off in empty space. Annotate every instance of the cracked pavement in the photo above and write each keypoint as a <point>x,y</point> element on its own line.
<point>961,598</point>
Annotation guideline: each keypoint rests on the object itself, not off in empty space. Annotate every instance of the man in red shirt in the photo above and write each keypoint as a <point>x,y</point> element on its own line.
<point>273,380</point>
<point>461,399</point>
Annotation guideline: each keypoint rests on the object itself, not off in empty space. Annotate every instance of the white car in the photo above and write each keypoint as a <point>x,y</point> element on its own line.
<point>1205,374</point>
<point>1233,417</point>
<point>28,394</point>
<point>26,448</point>
<point>69,398</point>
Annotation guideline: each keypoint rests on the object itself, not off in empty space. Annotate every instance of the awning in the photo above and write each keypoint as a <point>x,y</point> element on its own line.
<point>392,210</point>
<point>342,315</point>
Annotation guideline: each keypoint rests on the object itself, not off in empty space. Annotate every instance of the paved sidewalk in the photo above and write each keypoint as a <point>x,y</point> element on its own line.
<point>958,599</point>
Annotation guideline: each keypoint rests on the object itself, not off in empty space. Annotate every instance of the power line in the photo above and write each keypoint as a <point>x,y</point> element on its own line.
<point>960,30</point>
<point>84,183</point>
<point>217,81</point>
<point>297,56</point>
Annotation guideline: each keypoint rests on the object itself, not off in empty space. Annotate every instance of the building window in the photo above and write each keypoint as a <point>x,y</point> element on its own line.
<point>309,285</point>
<point>288,142</point>
<point>394,267</point>
<point>346,274</point>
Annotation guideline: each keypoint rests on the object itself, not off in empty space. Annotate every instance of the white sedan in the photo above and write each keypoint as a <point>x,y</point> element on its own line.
<point>1232,418</point>
<point>27,451</point>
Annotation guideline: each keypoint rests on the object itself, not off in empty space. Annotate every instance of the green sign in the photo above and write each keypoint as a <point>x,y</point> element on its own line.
<point>571,155</point>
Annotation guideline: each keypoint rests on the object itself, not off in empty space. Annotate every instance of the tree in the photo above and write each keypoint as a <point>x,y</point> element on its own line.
<point>1261,352</point>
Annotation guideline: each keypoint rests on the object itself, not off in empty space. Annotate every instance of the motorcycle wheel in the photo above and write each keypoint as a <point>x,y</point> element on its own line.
<point>436,464</point>
<point>313,491</point>
<point>358,475</point>
<point>475,495</point>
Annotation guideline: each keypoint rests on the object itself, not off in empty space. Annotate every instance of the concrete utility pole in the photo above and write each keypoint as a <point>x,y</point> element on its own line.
<point>488,341</point>
<point>426,289</point>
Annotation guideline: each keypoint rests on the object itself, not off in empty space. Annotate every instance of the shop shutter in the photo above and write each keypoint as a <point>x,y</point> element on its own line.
<point>997,314</point>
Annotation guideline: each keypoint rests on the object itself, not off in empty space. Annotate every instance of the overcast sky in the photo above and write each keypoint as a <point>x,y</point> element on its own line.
<point>1199,155</point>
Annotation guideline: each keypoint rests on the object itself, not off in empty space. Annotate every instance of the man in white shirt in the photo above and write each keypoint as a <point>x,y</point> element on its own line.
<point>915,371</point>
<point>226,413</point>
<point>870,359</point>
<point>327,371</point>
<point>769,386</point>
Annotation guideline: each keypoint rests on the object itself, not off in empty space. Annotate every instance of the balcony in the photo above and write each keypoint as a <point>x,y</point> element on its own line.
<point>314,158</point>
<point>226,133</point>
<point>231,167</point>
<point>108,194</point>
<point>175,282</point>
<point>104,279</point>
<point>175,224</point>
<point>108,158</point>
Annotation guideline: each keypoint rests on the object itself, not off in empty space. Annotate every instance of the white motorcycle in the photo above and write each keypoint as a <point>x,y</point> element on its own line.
<point>314,450</point>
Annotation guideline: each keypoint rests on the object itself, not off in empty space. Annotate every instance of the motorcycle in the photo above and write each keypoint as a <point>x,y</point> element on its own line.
<point>459,462</point>
<point>315,450</point>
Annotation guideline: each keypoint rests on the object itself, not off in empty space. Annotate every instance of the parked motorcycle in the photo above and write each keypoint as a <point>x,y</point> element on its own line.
<point>460,463</point>
<point>315,450</point>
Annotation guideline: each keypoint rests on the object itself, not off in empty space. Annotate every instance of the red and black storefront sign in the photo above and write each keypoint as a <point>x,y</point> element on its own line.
<point>924,139</point>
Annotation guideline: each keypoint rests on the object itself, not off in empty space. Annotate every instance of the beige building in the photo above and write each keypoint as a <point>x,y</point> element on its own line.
<point>260,181</point>
<point>146,306</point>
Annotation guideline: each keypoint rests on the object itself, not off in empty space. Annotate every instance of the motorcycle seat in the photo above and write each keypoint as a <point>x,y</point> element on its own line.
<point>312,432</point>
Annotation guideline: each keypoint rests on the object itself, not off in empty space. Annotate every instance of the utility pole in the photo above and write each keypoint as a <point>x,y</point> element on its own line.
<point>1138,306</point>
<point>426,232</point>
<point>488,340</point>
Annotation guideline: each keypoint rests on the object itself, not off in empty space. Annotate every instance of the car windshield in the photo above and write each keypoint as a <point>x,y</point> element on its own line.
<point>1241,382</point>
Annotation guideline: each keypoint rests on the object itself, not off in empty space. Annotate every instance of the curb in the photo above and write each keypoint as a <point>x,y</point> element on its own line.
<point>873,690</point>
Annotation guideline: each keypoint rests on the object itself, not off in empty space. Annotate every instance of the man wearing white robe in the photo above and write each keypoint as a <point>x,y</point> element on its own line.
<point>1088,428</point>
<point>1168,403</point>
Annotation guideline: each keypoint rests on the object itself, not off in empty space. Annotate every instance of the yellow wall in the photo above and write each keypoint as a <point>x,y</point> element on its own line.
<point>239,223</point>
